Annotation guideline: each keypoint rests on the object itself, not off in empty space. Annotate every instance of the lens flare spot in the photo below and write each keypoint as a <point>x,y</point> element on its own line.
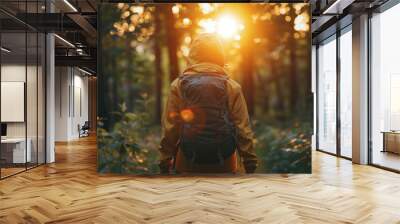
<point>186,21</point>
<point>206,8</point>
<point>187,115</point>
<point>175,9</point>
<point>173,115</point>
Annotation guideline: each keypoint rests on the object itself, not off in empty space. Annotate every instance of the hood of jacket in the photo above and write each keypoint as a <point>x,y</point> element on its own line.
<point>206,55</point>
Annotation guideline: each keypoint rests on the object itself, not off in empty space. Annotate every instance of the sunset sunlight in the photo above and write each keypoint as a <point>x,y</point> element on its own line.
<point>226,26</point>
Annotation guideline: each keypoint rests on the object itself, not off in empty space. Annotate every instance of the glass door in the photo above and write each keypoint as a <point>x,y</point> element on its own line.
<point>14,154</point>
<point>22,88</point>
<point>346,92</point>
<point>326,59</point>
<point>385,89</point>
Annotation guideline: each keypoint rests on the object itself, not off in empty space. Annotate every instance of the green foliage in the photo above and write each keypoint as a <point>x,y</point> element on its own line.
<point>284,150</point>
<point>126,66</point>
<point>120,150</point>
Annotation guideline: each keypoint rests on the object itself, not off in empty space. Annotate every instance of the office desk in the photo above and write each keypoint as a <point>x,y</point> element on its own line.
<point>13,150</point>
<point>391,141</point>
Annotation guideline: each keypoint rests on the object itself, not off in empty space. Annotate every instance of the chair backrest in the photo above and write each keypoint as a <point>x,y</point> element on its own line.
<point>86,124</point>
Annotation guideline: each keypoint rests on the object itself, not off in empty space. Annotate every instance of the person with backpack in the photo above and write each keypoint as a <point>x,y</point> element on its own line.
<point>206,126</point>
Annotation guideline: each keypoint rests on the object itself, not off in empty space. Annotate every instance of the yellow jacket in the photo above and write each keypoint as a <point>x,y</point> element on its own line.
<point>237,112</point>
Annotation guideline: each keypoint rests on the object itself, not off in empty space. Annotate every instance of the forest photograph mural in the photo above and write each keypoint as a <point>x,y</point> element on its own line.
<point>187,88</point>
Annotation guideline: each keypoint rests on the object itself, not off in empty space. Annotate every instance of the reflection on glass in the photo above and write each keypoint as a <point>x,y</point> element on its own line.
<point>394,102</point>
<point>31,100</point>
<point>327,97</point>
<point>385,89</point>
<point>22,90</point>
<point>346,94</point>
<point>41,99</point>
<point>15,151</point>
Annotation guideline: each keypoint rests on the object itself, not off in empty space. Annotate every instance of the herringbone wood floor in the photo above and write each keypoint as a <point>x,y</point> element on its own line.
<point>70,191</point>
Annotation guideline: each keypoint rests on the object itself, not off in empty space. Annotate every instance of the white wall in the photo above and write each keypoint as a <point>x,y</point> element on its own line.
<point>33,127</point>
<point>62,82</point>
<point>16,73</point>
<point>9,73</point>
<point>71,102</point>
<point>80,112</point>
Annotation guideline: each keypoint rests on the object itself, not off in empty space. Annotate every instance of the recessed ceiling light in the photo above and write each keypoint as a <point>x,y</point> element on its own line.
<point>84,71</point>
<point>65,41</point>
<point>70,5</point>
<point>337,7</point>
<point>5,50</point>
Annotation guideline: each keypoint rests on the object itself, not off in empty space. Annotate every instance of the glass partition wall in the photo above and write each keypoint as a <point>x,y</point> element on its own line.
<point>327,95</point>
<point>345,65</point>
<point>22,87</point>
<point>385,89</point>
<point>334,94</point>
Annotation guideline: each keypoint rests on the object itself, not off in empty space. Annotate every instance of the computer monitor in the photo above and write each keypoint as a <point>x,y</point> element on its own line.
<point>3,129</point>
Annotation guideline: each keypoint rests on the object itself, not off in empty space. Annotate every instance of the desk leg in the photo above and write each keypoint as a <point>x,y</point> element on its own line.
<point>384,142</point>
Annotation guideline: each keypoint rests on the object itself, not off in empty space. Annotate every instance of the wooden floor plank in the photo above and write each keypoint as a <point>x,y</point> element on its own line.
<point>70,191</point>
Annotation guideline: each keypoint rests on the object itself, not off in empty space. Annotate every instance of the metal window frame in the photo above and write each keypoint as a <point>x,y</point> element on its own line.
<point>387,5</point>
<point>381,9</point>
<point>339,32</point>
<point>44,75</point>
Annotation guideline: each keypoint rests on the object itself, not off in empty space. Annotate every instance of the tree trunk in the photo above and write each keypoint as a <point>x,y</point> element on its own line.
<point>248,66</point>
<point>115,100</point>
<point>293,72</point>
<point>308,78</point>
<point>266,88</point>
<point>279,89</point>
<point>128,74</point>
<point>172,42</point>
<point>158,70</point>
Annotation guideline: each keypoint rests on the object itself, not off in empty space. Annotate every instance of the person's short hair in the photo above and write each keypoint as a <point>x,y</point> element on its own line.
<point>207,48</point>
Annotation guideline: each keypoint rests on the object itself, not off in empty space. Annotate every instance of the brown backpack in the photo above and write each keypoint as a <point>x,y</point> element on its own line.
<point>207,134</point>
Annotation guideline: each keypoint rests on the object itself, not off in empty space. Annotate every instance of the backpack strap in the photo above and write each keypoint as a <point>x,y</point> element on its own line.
<point>228,119</point>
<point>180,126</point>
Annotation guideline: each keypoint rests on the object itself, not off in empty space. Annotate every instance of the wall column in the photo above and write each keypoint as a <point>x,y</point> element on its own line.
<point>50,92</point>
<point>314,92</point>
<point>50,99</point>
<point>360,90</point>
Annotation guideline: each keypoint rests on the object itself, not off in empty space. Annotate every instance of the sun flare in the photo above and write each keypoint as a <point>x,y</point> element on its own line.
<point>225,26</point>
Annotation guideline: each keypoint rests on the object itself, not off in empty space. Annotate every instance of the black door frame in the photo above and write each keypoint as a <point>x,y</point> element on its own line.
<point>30,29</point>
<point>337,34</point>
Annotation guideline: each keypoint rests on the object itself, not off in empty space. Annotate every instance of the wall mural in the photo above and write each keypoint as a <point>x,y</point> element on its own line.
<point>204,88</point>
